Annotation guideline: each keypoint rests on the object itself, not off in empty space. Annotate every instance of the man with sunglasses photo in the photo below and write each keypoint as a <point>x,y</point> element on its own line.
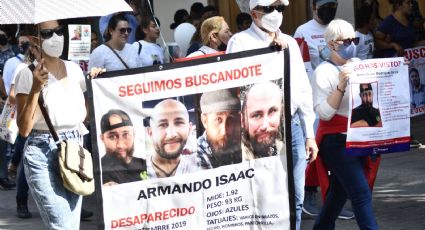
<point>365,115</point>
<point>265,31</point>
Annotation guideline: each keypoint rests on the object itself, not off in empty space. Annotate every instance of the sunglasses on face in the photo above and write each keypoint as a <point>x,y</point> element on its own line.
<point>123,30</point>
<point>348,41</point>
<point>269,9</point>
<point>48,33</point>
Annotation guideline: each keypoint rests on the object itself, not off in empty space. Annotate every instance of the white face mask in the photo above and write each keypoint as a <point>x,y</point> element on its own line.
<point>272,21</point>
<point>53,46</point>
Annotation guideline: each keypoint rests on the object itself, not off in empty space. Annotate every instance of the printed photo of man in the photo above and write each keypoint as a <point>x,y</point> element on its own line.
<point>365,115</point>
<point>220,143</point>
<point>118,164</point>
<point>261,117</point>
<point>418,89</point>
<point>169,130</point>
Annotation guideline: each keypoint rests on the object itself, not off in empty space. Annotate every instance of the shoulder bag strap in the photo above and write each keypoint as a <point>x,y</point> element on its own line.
<point>140,48</point>
<point>123,62</point>
<point>47,118</point>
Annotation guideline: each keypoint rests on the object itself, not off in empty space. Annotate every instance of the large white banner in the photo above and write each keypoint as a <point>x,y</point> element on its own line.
<point>196,145</point>
<point>416,58</point>
<point>379,117</point>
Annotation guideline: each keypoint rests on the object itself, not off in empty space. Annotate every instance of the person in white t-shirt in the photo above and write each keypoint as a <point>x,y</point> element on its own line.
<point>364,27</point>
<point>215,35</point>
<point>62,85</point>
<point>312,31</point>
<point>115,53</point>
<point>148,51</point>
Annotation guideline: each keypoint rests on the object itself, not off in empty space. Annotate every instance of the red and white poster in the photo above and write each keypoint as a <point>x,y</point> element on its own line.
<point>379,117</point>
<point>416,58</point>
<point>193,145</point>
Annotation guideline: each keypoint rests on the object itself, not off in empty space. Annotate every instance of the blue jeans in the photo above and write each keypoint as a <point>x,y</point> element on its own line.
<point>58,207</point>
<point>299,161</point>
<point>5,157</point>
<point>348,181</point>
<point>21,185</point>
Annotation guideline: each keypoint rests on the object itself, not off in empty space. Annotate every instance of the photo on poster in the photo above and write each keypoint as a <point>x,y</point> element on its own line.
<point>170,129</point>
<point>219,137</point>
<point>262,120</point>
<point>417,87</point>
<point>365,111</point>
<point>119,165</point>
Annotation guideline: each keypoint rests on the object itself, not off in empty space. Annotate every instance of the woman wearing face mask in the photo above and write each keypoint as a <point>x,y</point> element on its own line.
<point>115,53</point>
<point>215,34</point>
<point>348,180</point>
<point>62,85</point>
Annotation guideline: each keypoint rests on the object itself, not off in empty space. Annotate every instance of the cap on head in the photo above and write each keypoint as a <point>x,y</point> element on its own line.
<point>254,3</point>
<point>219,101</point>
<point>365,87</point>
<point>320,3</point>
<point>105,122</point>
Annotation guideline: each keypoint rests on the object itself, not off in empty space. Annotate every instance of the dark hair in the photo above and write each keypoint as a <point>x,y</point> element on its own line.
<point>196,8</point>
<point>413,69</point>
<point>140,35</point>
<point>112,24</point>
<point>209,8</point>
<point>396,3</point>
<point>243,17</point>
<point>363,15</point>
<point>179,17</point>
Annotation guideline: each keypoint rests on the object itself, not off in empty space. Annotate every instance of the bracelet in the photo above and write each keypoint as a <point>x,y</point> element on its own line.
<point>340,90</point>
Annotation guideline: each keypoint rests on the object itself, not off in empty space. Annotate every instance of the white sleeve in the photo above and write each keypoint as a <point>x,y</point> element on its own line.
<point>322,88</point>
<point>23,82</point>
<point>96,58</point>
<point>301,90</point>
<point>234,45</point>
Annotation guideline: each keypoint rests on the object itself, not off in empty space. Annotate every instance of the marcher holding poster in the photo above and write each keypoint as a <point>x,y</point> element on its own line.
<point>331,102</point>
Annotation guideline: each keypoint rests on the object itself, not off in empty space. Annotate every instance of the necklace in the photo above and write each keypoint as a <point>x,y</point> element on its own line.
<point>163,171</point>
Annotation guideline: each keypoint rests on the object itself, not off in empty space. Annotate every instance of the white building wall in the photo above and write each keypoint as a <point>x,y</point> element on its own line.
<point>346,11</point>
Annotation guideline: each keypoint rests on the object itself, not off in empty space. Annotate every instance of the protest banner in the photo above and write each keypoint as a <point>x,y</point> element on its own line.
<point>79,42</point>
<point>180,146</point>
<point>416,58</point>
<point>379,109</point>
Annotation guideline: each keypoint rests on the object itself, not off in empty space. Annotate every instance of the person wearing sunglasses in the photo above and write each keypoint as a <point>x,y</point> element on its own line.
<point>265,31</point>
<point>349,179</point>
<point>215,34</point>
<point>62,85</point>
<point>115,53</point>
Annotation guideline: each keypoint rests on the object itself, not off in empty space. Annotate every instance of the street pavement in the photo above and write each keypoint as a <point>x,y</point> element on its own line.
<point>398,197</point>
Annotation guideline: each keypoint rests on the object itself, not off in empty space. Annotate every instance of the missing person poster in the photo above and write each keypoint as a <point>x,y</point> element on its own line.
<point>79,42</point>
<point>193,145</point>
<point>416,58</point>
<point>379,109</point>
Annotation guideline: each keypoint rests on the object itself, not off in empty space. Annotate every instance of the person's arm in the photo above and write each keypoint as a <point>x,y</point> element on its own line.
<point>3,93</point>
<point>383,41</point>
<point>27,103</point>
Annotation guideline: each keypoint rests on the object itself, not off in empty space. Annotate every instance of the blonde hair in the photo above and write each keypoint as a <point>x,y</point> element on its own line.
<point>339,29</point>
<point>210,26</point>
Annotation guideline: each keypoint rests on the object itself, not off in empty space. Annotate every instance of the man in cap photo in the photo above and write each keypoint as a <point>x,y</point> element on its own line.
<point>365,115</point>
<point>169,130</point>
<point>261,117</point>
<point>118,164</point>
<point>221,118</point>
<point>264,32</point>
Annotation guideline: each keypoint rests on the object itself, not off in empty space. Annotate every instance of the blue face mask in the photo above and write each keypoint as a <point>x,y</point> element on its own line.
<point>347,52</point>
